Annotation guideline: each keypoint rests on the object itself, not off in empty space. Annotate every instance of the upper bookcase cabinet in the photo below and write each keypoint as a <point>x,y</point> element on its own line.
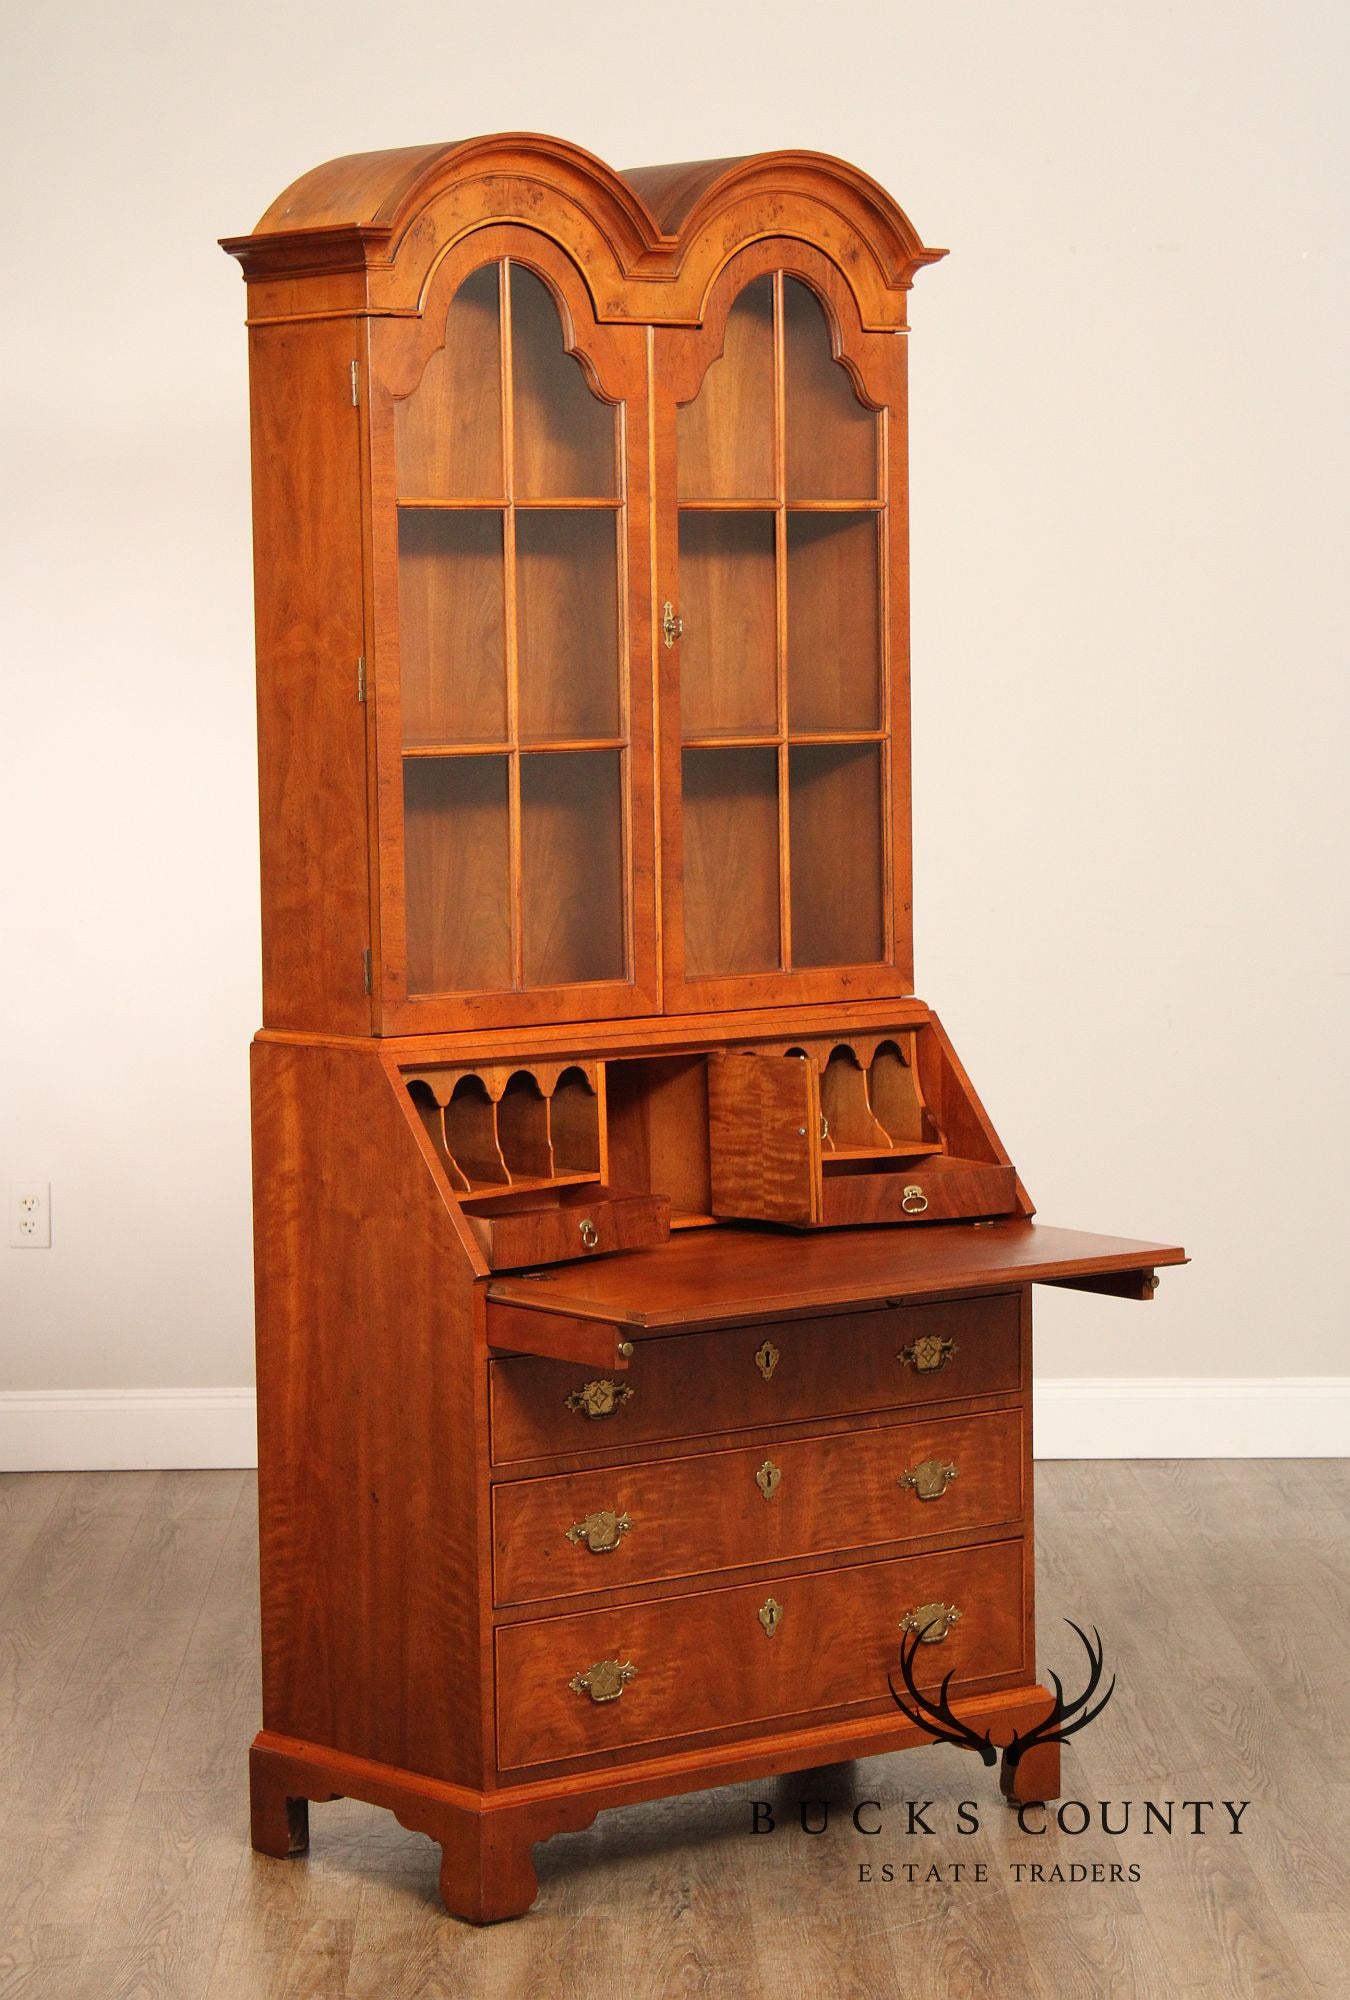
<point>580,535</point>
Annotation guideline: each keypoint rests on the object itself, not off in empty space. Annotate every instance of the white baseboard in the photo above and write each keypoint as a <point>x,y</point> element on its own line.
<point>1193,1416</point>
<point>125,1430</point>
<point>1243,1416</point>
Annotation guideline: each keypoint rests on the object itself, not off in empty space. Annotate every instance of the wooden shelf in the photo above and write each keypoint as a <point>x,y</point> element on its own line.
<point>904,1149</point>
<point>695,506</point>
<point>527,748</point>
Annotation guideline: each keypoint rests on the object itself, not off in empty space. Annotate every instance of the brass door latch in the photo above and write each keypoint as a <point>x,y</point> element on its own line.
<point>931,1478</point>
<point>601,1532</point>
<point>605,1681</point>
<point>671,625</point>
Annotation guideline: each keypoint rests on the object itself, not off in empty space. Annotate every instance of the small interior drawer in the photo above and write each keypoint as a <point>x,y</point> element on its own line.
<point>607,1681</point>
<point>766,1503</point>
<point>939,1189</point>
<point>548,1225</point>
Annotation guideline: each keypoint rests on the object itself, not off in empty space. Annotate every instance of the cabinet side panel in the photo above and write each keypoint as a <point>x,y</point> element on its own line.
<point>307,557</point>
<point>371,1423</point>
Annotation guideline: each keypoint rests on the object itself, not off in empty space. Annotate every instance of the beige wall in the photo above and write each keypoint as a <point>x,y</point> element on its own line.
<point>1129,441</point>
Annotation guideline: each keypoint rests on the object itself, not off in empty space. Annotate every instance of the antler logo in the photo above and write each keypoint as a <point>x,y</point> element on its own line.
<point>1064,1720</point>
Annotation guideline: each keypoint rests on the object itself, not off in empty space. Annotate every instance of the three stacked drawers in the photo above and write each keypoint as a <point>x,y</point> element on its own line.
<point>735,1529</point>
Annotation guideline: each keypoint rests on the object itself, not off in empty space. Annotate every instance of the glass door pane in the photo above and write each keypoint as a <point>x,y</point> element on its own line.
<point>458,873</point>
<point>452,626</point>
<point>511,635</point>
<point>837,863</point>
<point>565,438</point>
<point>726,435</point>
<point>571,847</point>
<point>448,434</point>
<point>731,872</point>
<point>567,625</point>
<point>781,652</point>
<point>833,622</point>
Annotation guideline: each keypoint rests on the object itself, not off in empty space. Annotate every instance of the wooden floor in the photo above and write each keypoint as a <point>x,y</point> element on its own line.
<point>128,1692</point>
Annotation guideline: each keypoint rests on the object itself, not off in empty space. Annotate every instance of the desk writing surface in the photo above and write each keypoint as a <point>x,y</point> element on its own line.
<point>717,1277</point>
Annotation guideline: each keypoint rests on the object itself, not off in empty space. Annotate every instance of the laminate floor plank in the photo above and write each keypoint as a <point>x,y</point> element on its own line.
<point>129,1691</point>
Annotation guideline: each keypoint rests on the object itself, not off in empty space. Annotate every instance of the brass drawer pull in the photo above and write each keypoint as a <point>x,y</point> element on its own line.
<point>769,1478</point>
<point>766,1359</point>
<point>913,1200</point>
<point>770,1616</point>
<point>932,1622</point>
<point>928,1354</point>
<point>605,1681</point>
<point>599,1399</point>
<point>931,1478</point>
<point>590,1235</point>
<point>601,1532</point>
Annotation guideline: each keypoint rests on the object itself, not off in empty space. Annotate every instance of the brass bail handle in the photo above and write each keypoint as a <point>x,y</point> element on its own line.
<point>928,1354</point>
<point>602,1531</point>
<point>931,1478</point>
<point>605,1680</point>
<point>931,1621</point>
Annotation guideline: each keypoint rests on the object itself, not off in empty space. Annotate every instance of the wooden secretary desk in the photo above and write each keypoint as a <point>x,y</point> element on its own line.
<point>596,1463</point>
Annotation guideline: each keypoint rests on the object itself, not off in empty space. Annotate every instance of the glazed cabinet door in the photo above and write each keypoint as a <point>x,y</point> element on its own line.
<point>782,580</point>
<point>512,649</point>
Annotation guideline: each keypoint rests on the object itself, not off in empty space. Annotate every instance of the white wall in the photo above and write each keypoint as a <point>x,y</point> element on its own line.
<point>1129,435</point>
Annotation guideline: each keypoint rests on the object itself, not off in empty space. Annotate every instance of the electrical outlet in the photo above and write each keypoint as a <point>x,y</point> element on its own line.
<point>30,1215</point>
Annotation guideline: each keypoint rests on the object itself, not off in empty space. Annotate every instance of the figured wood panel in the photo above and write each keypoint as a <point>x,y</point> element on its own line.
<point>565,437</point>
<point>571,841</point>
<point>837,858</point>
<point>710,1511</point>
<point>567,625</point>
<point>833,622</point>
<point>701,1383</point>
<point>721,1276</point>
<point>764,1137</point>
<point>831,437</point>
<point>307,543</point>
<point>452,626</point>
<point>704,1662</point>
<point>371,1422</point>
<point>730,819</point>
<point>458,888</point>
<point>726,434</point>
<point>729,608</point>
<point>448,433</point>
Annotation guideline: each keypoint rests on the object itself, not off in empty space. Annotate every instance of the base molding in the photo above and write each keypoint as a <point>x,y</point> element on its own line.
<point>1201,1416</point>
<point>487,1837</point>
<point>1163,1416</point>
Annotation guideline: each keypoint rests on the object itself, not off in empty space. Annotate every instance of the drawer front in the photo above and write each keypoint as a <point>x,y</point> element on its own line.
<point>725,1658</point>
<point>550,1228</point>
<point>936,1190</point>
<point>637,1524</point>
<point>785,1372</point>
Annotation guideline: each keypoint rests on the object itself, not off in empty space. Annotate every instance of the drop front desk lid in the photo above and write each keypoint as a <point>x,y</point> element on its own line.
<point>731,1275</point>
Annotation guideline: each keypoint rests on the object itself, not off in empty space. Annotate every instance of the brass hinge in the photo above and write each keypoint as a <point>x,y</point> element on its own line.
<point>365,967</point>
<point>356,383</point>
<point>361,678</point>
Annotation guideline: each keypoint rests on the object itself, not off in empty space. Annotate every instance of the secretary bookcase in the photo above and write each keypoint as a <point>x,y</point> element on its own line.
<point>595,1463</point>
